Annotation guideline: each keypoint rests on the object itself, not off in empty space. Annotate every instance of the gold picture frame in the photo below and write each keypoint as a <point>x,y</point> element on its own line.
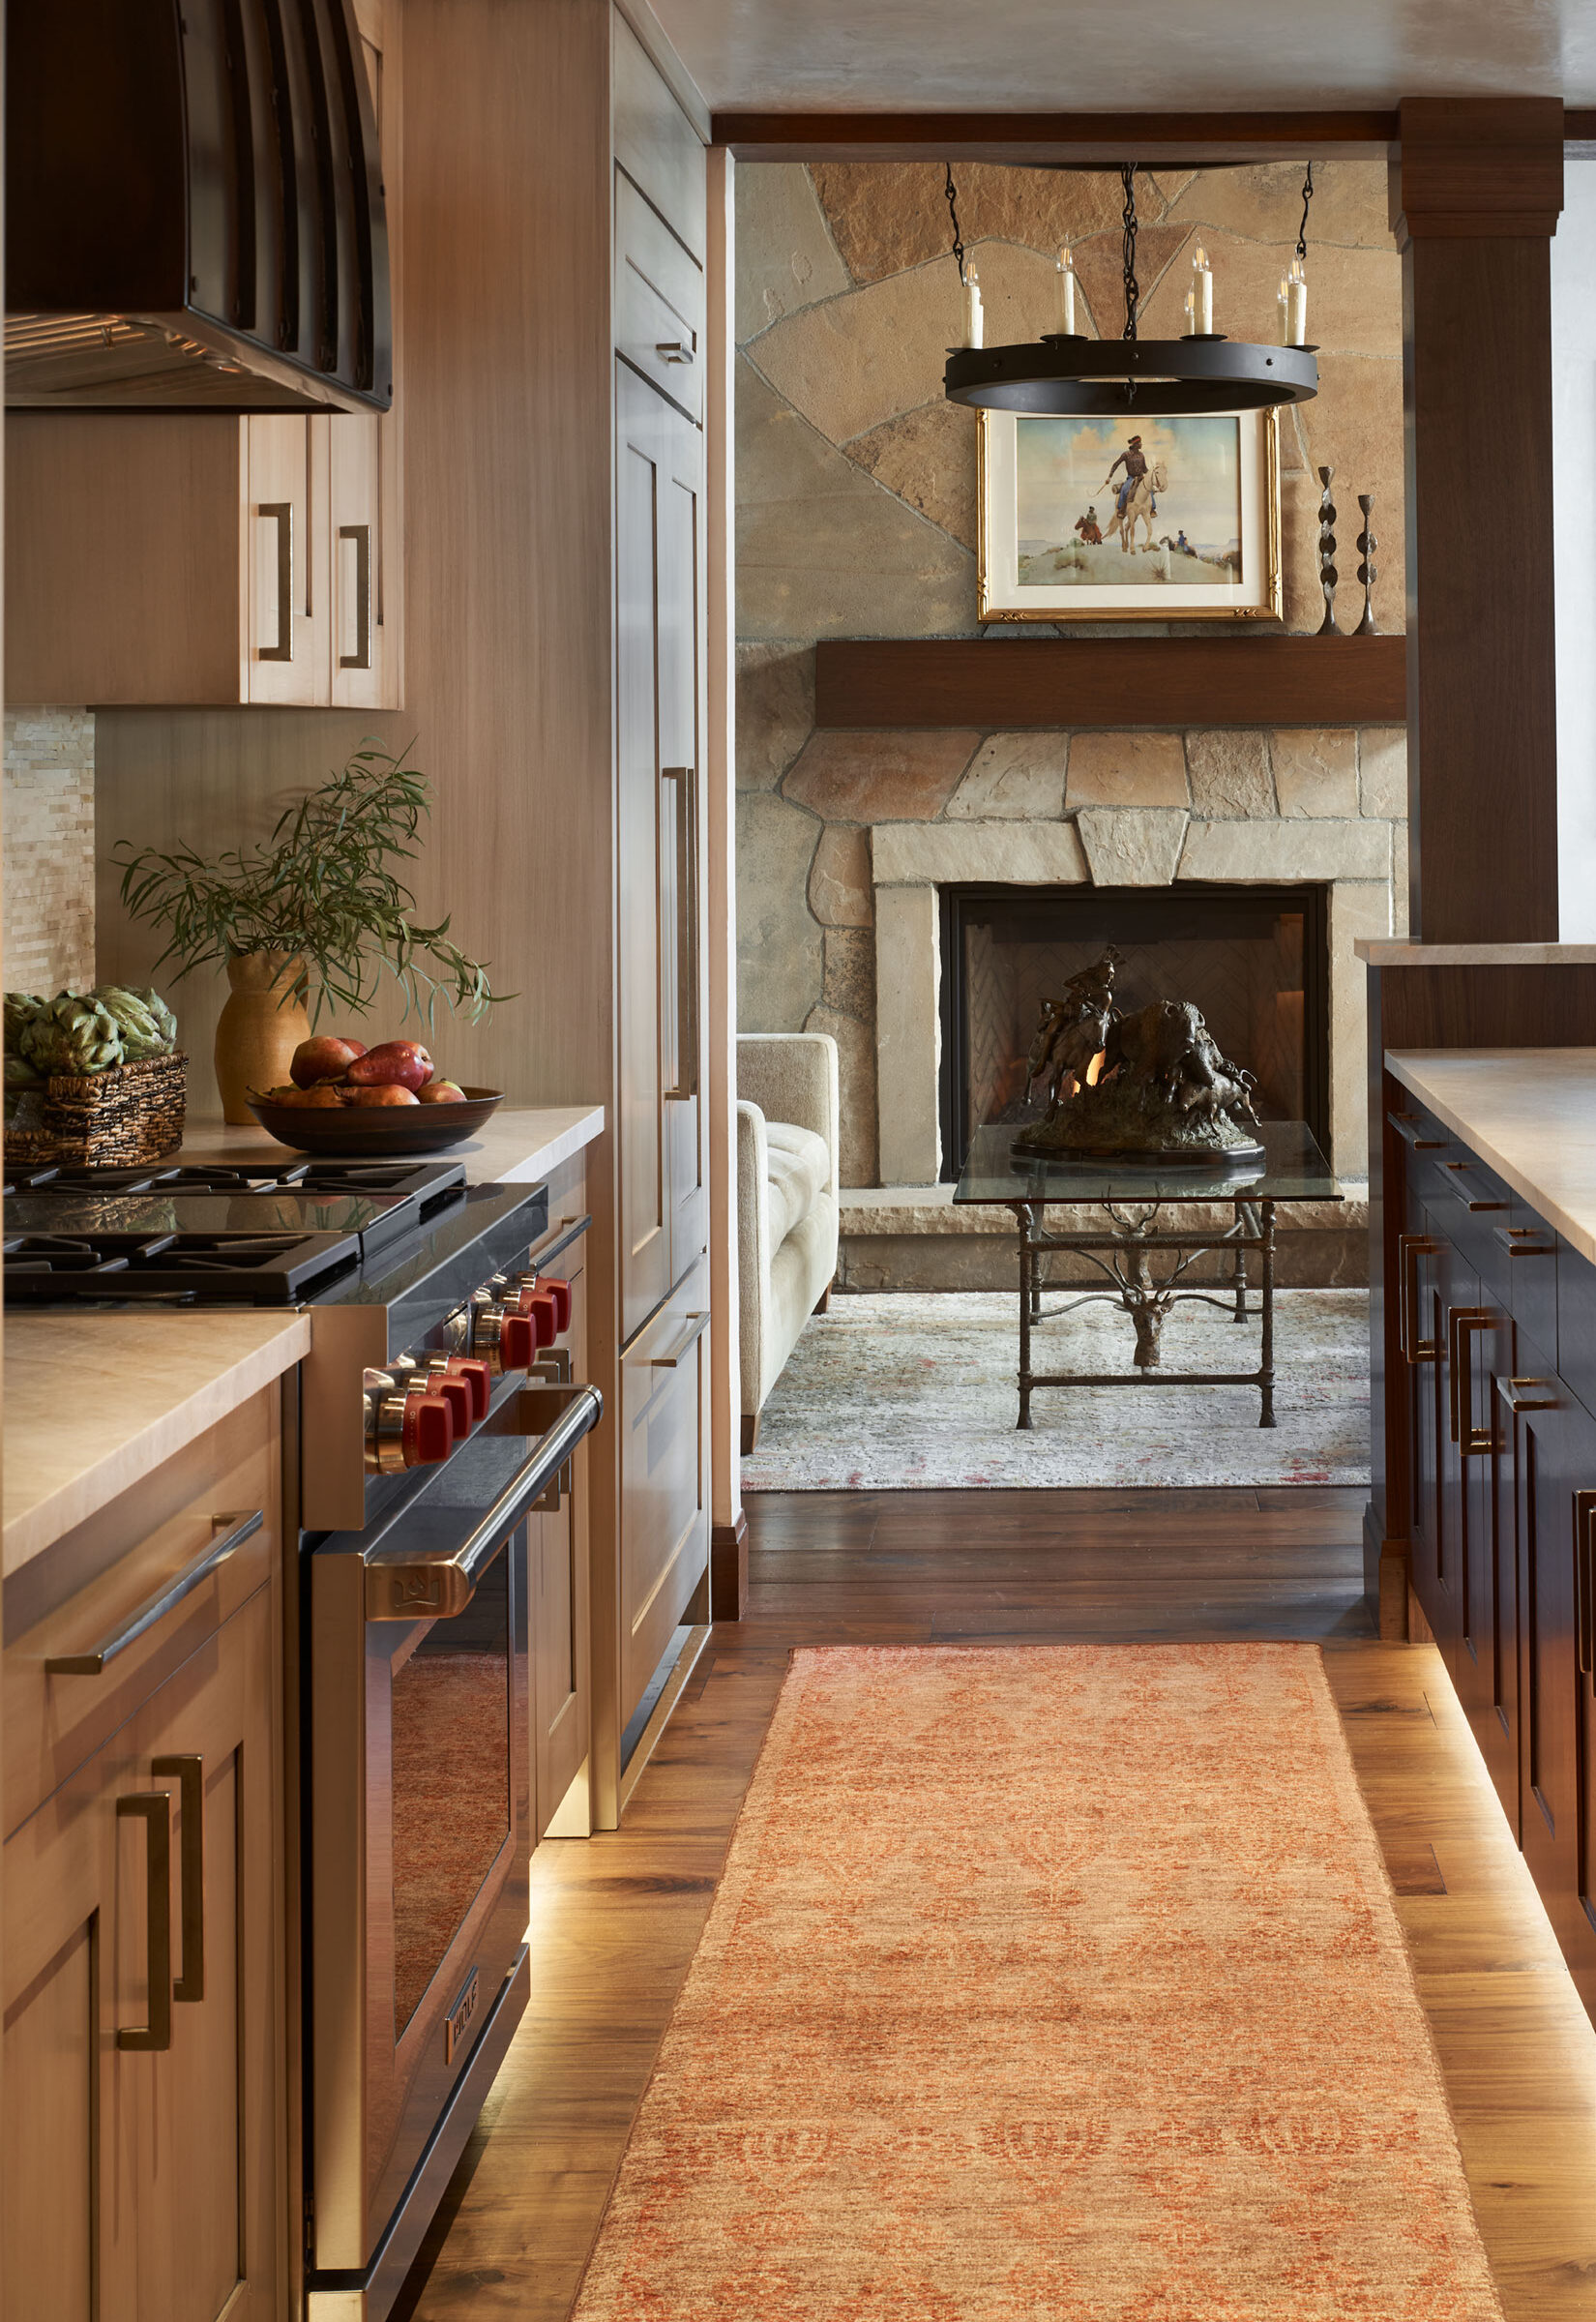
<point>1046,579</point>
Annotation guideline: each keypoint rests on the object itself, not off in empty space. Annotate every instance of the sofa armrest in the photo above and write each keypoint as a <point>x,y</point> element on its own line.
<point>753,1251</point>
<point>792,1076</point>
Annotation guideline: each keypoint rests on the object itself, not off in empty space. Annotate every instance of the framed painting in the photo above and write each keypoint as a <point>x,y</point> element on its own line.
<point>1125,519</point>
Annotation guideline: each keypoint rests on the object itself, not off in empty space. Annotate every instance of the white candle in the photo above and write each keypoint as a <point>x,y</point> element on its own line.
<point>974,321</point>
<point>1282,302</point>
<point>1190,313</point>
<point>1296,306</point>
<point>1066,292</point>
<point>1202,286</point>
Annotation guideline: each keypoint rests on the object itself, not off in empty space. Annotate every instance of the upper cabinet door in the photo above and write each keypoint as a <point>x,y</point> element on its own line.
<point>285,533</point>
<point>655,142</point>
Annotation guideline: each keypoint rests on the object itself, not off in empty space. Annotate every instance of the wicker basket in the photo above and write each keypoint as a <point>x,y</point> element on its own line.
<point>119,1118</point>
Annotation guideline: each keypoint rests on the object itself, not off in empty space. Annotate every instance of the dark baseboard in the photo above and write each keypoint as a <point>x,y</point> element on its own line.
<point>729,1569</point>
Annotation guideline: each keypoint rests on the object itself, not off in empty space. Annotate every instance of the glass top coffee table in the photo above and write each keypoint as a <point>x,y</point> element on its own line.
<point>1145,1261</point>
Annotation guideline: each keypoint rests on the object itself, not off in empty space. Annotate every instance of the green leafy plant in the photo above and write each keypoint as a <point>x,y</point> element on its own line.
<point>323,889</point>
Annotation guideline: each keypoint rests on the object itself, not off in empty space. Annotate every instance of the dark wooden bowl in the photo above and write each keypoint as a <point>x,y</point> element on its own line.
<point>364,1132</point>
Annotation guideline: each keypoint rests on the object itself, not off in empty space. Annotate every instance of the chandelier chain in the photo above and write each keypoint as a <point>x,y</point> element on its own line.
<point>952,195</point>
<point>1302,231</point>
<point>1133,292</point>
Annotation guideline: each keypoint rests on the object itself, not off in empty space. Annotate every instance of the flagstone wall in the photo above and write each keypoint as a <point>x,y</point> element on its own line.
<point>857,518</point>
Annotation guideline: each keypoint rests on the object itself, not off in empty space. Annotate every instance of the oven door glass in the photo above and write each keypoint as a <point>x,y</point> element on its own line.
<point>452,1701</point>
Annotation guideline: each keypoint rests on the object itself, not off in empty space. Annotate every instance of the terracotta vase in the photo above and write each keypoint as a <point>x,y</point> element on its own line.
<point>262,1023</point>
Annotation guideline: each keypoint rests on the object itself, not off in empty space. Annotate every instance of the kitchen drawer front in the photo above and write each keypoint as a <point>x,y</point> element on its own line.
<point>82,1592</point>
<point>1577,1325</point>
<point>658,302</point>
<point>664,1508</point>
<point>1472,1206</point>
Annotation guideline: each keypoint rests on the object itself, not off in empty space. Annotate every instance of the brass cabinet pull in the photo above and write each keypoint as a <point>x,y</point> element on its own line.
<point>234,1531</point>
<point>281,514</point>
<point>1585,1578</point>
<point>1409,1128</point>
<point>1526,1241</point>
<point>1462,1324</point>
<point>1457,1187</point>
<point>189,1770</point>
<point>153,1808</point>
<point>685,1059</point>
<point>673,350</point>
<point>1526,1394</point>
<point>1411,1248</point>
<point>361,657</point>
<point>697,1325</point>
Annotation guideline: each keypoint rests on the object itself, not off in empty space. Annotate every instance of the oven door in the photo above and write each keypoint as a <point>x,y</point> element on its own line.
<point>419,1815</point>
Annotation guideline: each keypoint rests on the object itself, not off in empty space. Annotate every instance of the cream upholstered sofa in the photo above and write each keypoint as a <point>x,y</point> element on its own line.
<point>786,1200</point>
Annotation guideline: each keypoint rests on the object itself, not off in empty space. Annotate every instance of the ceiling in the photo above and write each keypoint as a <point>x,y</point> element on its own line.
<point>1127,55</point>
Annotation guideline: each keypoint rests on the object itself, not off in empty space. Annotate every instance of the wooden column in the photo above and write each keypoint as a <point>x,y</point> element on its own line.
<point>1475,198</point>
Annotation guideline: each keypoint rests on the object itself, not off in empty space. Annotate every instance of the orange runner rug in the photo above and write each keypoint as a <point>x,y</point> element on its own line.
<point>1042,1984</point>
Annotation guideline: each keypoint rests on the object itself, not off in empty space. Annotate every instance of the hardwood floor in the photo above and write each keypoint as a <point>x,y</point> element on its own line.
<point>616,1918</point>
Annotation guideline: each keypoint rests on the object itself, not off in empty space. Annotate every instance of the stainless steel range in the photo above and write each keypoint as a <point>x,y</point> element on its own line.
<point>437,1412</point>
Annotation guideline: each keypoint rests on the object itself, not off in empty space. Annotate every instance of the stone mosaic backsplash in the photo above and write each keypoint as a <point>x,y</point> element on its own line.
<point>49,807</point>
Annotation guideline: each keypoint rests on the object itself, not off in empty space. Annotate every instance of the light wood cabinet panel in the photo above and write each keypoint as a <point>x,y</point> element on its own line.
<point>151,2172</point>
<point>664,1507</point>
<point>658,302</point>
<point>655,142</point>
<point>287,532</point>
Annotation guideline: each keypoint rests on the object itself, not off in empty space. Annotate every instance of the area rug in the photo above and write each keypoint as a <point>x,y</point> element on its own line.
<point>914,1390</point>
<point>1048,1984</point>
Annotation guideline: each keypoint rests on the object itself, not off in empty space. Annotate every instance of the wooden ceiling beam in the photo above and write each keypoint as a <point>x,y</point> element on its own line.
<point>1095,140</point>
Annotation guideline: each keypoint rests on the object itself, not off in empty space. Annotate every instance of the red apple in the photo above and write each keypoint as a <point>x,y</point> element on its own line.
<point>441,1092</point>
<point>323,1060</point>
<point>380,1092</point>
<point>400,1063</point>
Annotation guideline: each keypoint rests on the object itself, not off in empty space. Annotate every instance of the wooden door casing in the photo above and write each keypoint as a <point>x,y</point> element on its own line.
<point>154,2172</point>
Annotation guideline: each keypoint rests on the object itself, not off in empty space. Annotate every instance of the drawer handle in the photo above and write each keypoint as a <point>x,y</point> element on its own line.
<point>1526,1394</point>
<point>361,657</point>
<point>238,1529</point>
<point>1408,1126</point>
<point>697,1325</point>
<point>1411,1248</point>
<point>1460,1190</point>
<point>1524,1242</point>
<point>153,1808</point>
<point>1462,1323</point>
<point>1585,1578</point>
<point>673,350</point>
<point>188,1769</point>
<point>281,514</point>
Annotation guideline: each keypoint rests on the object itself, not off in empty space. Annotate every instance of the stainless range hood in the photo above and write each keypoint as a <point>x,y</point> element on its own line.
<point>193,208</point>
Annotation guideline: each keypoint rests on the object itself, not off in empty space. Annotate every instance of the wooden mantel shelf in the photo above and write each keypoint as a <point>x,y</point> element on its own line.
<point>1056,681</point>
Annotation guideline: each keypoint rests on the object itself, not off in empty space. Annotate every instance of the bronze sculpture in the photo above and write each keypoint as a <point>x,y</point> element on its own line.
<point>1164,1089</point>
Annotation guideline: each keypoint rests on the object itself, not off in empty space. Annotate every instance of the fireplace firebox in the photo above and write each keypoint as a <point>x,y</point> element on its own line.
<point>1255,959</point>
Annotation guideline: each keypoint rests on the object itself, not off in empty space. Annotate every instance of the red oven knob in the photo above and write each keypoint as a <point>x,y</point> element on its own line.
<point>509,1341</point>
<point>460,1398</point>
<point>561,1293</point>
<point>543,1312</point>
<point>478,1376</point>
<point>429,1435</point>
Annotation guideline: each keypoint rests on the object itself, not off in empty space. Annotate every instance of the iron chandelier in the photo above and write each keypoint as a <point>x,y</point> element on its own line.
<point>1064,372</point>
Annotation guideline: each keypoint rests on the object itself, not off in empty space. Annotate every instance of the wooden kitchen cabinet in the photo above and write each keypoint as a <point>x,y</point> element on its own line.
<point>143,1957</point>
<point>213,558</point>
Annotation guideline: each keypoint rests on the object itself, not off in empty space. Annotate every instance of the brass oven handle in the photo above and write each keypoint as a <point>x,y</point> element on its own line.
<point>189,1770</point>
<point>1517,1395</point>
<point>1411,1248</point>
<point>361,657</point>
<point>420,1587</point>
<point>153,1808</point>
<point>281,514</point>
<point>92,1663</point>
<point>697,1325</point>
<point>1584,1579</point>
<point>1470,1439</point>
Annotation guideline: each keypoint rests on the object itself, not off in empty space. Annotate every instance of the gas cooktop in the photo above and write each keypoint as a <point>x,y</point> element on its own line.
<point>182,1267</point>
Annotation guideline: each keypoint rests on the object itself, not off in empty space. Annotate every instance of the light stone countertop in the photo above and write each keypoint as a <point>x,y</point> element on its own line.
<point>1530,1113</point>
<point>519,1145</point>
<point>96,1400</point>
<point>1397,952</point>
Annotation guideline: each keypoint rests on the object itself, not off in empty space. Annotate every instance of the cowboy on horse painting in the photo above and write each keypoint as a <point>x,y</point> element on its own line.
<point>1134,461</point>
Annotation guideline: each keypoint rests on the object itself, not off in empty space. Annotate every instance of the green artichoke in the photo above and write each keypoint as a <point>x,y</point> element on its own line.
<point>72,1035</point>
<point>20,1073</point>
<point>147,1025</point>
<point>21,1007</point>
